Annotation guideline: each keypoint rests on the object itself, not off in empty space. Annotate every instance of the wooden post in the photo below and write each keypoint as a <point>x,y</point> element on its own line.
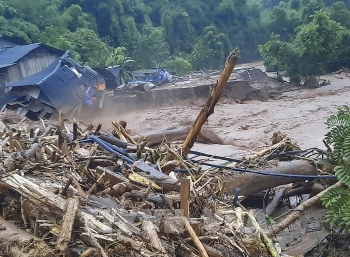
<point>208,108</point>
<point>75,131</point>
<point>185,196</point>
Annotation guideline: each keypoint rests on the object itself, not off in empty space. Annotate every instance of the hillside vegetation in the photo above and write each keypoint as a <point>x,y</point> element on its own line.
<point>195,34</point>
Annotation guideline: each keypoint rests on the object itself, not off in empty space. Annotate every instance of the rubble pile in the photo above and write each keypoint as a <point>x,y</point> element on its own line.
<point>76,191</point>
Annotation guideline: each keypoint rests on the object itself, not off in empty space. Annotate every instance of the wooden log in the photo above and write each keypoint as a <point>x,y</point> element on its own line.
<point>208,108</point>
<point>176,133</point>
<point>114,141</point>
<point>250,183</point>
<point>75,131</point>
<point>67,225</point>
<point>89,252</point>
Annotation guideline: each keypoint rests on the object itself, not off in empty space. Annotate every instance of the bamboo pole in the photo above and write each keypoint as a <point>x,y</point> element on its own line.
<point>208,108</point>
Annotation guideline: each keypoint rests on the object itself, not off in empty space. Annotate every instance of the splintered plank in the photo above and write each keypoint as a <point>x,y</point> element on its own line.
<point>47,201</point>
<point>67,224</point>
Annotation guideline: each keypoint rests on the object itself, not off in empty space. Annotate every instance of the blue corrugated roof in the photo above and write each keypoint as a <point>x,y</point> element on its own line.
<point>6,65</point>
<point>10,55</point>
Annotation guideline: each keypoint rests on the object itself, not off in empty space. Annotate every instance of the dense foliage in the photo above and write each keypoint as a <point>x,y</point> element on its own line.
<point>337,200</point>
<point>185,34</point>
<point>313,40</point>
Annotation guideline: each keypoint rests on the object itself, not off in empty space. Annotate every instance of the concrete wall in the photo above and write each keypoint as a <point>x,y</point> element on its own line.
<point>163,97</point>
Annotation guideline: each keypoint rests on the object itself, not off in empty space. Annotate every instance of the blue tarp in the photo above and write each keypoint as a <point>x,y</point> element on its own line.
<point>159,77</point>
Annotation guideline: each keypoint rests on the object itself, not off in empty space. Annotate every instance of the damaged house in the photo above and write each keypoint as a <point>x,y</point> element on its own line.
<point>64,85</point>
<point>20,61</point>
<point>113,76</point>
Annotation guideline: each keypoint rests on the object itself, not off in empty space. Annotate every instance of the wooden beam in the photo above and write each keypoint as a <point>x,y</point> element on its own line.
<point>67,225</point>
<point>185,196</point>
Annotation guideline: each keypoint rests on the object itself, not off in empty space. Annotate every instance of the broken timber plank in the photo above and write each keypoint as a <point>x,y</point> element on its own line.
<point>185,196</point>
<point>67,224</point>
<point>116,178</point>
<point>160,178</point>
<point>47,201</point>
<point>275,201</point>
<point>150,230</point>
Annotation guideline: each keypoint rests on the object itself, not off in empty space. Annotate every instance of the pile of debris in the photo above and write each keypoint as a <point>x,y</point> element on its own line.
<point>68,189</point>
<point>84,193</point>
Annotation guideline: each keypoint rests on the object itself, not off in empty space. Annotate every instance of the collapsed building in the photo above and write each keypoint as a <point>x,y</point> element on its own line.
<point>38,81</point>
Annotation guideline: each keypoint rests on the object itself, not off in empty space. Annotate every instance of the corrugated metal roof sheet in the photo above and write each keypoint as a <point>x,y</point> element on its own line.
<point>6,65</point>
<point>10,55</point>
<point>90,76</point>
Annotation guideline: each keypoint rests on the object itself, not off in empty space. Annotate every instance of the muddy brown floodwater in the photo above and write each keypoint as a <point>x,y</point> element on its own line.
<point>300,114</point>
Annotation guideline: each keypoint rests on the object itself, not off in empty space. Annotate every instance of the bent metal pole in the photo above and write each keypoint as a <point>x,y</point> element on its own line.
<point>208,108</point>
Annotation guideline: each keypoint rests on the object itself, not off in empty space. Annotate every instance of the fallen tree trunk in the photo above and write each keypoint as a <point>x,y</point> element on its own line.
<point>176,133</point>
<point>253,183</point>
<point>209,106</point>
<point>18,243</point>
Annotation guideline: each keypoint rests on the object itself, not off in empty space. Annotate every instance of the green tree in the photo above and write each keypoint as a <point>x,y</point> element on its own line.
<point>86,43</point>
<point>209,51</point>
<point>317,42</point>
<point>120,57</point>
<point>178,64</point>
<point>152,49</point>
<point>340,13</point>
